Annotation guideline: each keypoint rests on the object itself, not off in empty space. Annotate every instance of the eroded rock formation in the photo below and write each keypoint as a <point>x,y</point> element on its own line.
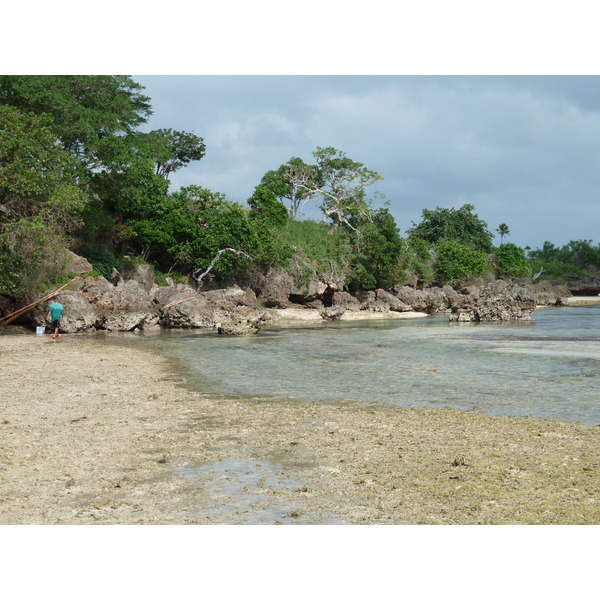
<point>137,302</point>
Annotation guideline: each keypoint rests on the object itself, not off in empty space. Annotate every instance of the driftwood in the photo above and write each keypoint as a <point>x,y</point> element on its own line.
<point>14,315</point>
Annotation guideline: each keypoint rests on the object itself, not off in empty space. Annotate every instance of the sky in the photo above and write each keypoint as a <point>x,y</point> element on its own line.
<point>524,150</point>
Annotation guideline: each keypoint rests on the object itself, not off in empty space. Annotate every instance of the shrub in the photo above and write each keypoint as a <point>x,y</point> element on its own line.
<point>459,261</point>
<point>511,261</point>
<point>101,258</point>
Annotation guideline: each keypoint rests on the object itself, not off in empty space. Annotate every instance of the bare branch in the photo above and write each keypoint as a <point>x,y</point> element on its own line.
<point>200,278</point>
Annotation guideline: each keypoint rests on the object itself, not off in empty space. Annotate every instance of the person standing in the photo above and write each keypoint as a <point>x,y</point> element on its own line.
<point>55,315</point>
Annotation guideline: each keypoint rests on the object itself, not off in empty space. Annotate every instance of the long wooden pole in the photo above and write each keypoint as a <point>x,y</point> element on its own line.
<point>14,315</point>
<point>178,302</point>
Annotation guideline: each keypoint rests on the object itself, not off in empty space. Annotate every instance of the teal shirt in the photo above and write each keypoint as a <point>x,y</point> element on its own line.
<point>56,311</point>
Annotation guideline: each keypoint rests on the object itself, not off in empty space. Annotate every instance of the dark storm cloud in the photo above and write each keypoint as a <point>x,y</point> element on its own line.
<point>523,150</point>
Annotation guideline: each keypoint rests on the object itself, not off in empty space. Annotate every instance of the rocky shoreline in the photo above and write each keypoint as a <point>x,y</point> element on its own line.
<point>136,302</point>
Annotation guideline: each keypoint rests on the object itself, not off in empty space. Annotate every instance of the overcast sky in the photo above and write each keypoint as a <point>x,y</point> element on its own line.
<point>524,150</point>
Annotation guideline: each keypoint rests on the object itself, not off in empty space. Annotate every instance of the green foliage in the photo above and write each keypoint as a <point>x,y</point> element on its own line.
<point>376,263</point>
<point>511,261</point>
<point>101,258</point>
<point>266,208</point>
<point>459,261</point>
<point>417,261</point>
<point>205,222</point>
<point>584,255</point>
<point>460,225</point>
<point>85,111</point>
<point>98,225</point>
<point>10,273</point>
<point>315,251</point>
<point>578,257</point>
<point>284,183</point>
<point>313,241</point>
<point>40,202</point>
<point>169,150</point>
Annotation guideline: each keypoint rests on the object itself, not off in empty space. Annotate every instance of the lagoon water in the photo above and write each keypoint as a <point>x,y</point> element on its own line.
<point>548,367</point>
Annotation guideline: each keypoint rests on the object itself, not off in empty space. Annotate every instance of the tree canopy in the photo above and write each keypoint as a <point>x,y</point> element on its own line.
<point>462,225</point>
<point>340,183</point>
<point>284,184</point>
<point>83,110</point>
<point>76,171</point>
<point>40,201</point>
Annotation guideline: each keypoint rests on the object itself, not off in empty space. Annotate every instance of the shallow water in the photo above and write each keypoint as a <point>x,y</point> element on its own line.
<point>546,368</point>
<point>245,492</point>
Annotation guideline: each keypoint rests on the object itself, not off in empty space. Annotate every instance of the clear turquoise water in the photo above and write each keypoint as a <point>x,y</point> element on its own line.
<point>546,368</point>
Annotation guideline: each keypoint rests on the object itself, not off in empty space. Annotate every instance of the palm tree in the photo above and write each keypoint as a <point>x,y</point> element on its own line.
<point>502,230</point>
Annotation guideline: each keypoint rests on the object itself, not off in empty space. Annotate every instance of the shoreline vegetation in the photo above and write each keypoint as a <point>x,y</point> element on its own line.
<point>97,432</point>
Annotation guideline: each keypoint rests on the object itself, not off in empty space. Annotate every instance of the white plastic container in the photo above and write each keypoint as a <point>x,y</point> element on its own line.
<point>40,330</point>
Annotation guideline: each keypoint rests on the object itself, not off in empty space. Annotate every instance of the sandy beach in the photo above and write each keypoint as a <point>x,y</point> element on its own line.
<point>96,432</point>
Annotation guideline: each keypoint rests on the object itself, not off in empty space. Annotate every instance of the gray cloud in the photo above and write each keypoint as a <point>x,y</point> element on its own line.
<point>523,150</point>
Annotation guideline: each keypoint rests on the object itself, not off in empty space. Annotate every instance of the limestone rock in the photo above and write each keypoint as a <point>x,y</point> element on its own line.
<point>393,303</point>
<point>550,293</point>
<point>77,264</point>
<point>192,313</point>
<point>276,289</point>
<point>584,286</point>
<point>496,301</point>
<point>79,314</point>
<point>416,299</point>
<point>345,300</point>
<point>242,326</point>
<point>332,313</point>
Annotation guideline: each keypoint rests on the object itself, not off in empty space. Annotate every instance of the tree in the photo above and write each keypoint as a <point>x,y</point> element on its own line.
<point>40,202</point>
<point>341,186</point>
<point>284,183</point>
<point>170,150</point>
<point>213,224</point>
<point>267,217</point>
<point>502,231</point>
<point>459,261</point>
<point>461,225</point>
<point>266,208</point>
<point>86,111</point>
<point>511,261</point>
<point>376,263</point>
<point>144,208</point>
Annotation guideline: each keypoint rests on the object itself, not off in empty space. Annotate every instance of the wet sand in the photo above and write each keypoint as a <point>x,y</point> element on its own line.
<point>92,432</point>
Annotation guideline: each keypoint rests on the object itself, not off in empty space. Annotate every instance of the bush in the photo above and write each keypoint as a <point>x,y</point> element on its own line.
<point>511,261</point>
<point>376,263</point>
<point>458,261</point>
<point>461,225</point>
<point>416,262</point>
<point>101,258</point>
<point>10,274</point>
